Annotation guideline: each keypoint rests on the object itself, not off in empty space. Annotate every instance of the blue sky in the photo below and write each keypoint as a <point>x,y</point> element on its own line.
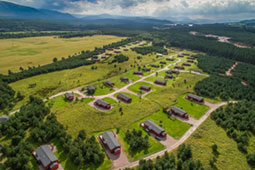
<point>168,9</point>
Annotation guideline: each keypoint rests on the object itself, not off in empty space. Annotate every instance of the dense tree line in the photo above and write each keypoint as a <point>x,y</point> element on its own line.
<point>136,140</point>
<point>18,153</point>
<point>150,49</point>
<point>29,34</point>
<point>44,128</point>
<point>211,64</point>
<point>80,34</point>
<point>119,43</point>
<point>86,150</point>
<point>7,96</point>
<point>184,161</point>
<point>242,33</point>
<point>224,87</point>
<point>120,58</point>
<point>245,72</point>
<point>238,120</point>
<point>182,39</point>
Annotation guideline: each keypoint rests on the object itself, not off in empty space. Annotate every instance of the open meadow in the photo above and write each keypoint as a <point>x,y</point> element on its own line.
<point>228,154</point>
<point>80,77</point>
<point>24,52</point>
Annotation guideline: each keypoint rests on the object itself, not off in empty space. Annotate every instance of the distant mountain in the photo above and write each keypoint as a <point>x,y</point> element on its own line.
<point>114,19</point>
<point>251,21</point>
<point>11,10</point>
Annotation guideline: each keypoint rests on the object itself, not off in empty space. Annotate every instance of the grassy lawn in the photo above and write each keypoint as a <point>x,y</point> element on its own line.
<point>155,146</point>
<point>135,87</point>
<point>193,66</point>
<point>193,109</point>
<point>110,100</point>
<point>230,158</point>
<point>59,101</point>
<point>101,89</point>
<point>154,78</point>
<point>172,126</point>
<point>80,116</point>
<point>79,77</point>
<point>134,97</point>
<point>41,50</point>
<point>166,96</point>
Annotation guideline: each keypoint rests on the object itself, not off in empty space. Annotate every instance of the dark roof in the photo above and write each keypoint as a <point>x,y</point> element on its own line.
<point>102,102</point>
<point>123,96</point>
<point>146,68</point>
<point>153,126</point>
<point>68,95</point>
<point>178,110</point>
<point>109,83</point>
<point>154,65</point>
<point>145,87</point>
<point>4,118</point>
<point>191,58</point>
<point>160,81</point>
<point>110,140</point>
<point>195,96</point>
<point>169,76</point>
<point>137,72</point>
<point>45,155</point>
<point>172,71</point>
<point>179,67</point>
<point>90,87</point>
<point>124,78</point>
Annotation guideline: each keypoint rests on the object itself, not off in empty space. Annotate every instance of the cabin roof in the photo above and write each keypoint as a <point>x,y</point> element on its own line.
<point>69,95</point>
<point>195,96</point>
<point>153,126</point>
<point>123,96</point>
<point>178,110</point>
<point>45,155</point>
<point>110,140</point>
<point>102,102</point>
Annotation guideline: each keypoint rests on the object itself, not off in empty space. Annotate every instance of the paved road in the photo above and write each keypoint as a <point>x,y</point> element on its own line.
<point>172,146</point>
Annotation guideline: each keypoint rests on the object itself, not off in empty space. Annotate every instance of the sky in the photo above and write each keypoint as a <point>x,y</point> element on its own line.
<point>167,9</point>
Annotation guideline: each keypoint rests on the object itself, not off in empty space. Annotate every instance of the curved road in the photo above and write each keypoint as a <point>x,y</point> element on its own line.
<point>169,148</point>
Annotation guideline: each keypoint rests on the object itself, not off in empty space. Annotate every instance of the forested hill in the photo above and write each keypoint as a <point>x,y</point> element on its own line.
<point>12,10</point>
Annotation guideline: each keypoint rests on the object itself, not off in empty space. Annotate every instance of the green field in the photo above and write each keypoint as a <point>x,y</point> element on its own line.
<point>172,126</point>
<point>110,100</point>
<point>135,87</point>
<point>229,158</point>
<point>101,89</point>
<point>79,77</point>
<point>154,78</point>
<point>167,96</point>
<point>41,50</point>
<point>195,110</point>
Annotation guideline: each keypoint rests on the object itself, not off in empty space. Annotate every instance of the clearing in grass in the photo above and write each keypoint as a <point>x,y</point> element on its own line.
<point>194,109</point>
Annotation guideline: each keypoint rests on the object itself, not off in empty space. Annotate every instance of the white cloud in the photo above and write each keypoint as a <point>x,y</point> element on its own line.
<point>209,9</point>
